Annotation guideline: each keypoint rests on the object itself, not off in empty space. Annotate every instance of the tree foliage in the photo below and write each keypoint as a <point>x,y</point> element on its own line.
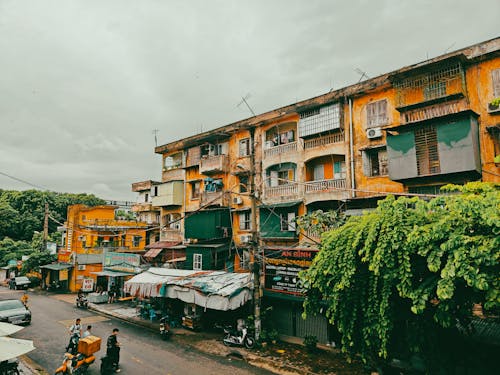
<point>22,212</point>
<point>397,281</point>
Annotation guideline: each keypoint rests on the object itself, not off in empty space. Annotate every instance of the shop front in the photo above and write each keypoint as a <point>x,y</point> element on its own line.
<point>283,293</point>
<point>55,276</point>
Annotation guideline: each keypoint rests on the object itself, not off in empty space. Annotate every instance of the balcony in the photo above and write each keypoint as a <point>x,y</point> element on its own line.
<point>170,194</point>
<point>282,192</point>
<point>172,174</point>
<point>214,198</point>
<point>323,141</point>
<point>333,189</point>
<point>142,207</point>
<point>214,164</point>
<point>280,149</point>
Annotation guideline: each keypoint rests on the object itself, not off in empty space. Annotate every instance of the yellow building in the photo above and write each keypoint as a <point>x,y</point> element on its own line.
<point>94,238</point>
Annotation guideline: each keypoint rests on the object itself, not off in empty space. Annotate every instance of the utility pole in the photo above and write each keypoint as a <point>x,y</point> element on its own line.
<point>254,245</point>
<point>46,227</point>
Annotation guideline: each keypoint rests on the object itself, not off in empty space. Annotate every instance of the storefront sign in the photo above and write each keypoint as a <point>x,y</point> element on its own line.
<point>63,275</point>
<point>64,256</point>
<point>122,261</point>
<point>282,269</point>
<point>87,285</point>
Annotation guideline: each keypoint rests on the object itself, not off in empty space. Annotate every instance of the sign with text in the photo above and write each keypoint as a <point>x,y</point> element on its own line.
<point>122,261</point>
<point>87,285</point>
<point>64,256</point>
<point>282,267</point>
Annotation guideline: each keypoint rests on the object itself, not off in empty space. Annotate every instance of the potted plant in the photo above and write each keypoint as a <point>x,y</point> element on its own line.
<point>494,105</point>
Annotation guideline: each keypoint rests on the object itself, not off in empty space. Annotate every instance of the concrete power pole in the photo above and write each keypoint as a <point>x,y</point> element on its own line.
<point>254,247</point>
<point>45,227</point>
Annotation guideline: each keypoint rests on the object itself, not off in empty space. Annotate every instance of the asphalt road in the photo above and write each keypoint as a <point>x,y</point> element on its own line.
<point>142,351</point>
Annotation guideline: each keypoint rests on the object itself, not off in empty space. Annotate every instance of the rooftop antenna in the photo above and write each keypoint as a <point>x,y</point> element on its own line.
<point>362,74</point>
<point>155,132</point>
<point>450,47</point>
<point>244,100</point>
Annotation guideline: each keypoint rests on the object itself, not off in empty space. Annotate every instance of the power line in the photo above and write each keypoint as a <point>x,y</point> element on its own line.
<point>24,181</point>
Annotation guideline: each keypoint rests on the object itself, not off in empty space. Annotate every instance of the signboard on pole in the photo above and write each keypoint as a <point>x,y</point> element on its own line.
<point>52,247</point>
<point>87,285</point>
<point>282,267</point>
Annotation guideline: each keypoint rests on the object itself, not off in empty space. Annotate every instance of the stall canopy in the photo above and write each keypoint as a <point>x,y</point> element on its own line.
<point>111,273</point>
<point>149,283</point>
<point>217,290</point>
<point>57,266</point>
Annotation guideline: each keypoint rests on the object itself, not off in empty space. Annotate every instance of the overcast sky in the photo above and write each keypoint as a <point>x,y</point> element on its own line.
<point>84,83</point>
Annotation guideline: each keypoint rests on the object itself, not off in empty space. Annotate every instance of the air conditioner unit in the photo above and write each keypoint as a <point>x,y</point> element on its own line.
<point>81,267</point>
<point>237,200</point>
<point>245,238</point>
<point>81,238</point>
<point>374,133</point>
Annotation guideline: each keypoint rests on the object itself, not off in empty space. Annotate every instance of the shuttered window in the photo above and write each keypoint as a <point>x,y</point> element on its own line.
<point>375,162</point>
<point>245,220</point>
<point>287,221</point>
<point>495,80</point>
<point>427,151</point>
<point>376,114</point>
<point>244,149</point>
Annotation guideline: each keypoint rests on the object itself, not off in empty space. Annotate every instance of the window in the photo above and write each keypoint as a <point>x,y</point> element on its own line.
<point>146,197</point>
<point>427,151</point>
<point>244,184</point>
<point>339,170</point>
<point>375,162</point>
<point>276,137</point>
<point>173,161</point>
<point>195,190</point>
<point>136,241</point>
<point>155,191</point>
<point>213,186</point>
<point>376,114</point>
<point>244,260</point>
<point>245,220</point>
<point>245,149</point>
<point>214,149</point>
<point>197,262</point>
<point>495,80</point>
<point>319,172</point>
<point>287,220</point>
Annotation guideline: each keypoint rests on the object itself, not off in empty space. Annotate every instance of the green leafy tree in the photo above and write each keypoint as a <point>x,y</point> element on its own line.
<point>400,280</point>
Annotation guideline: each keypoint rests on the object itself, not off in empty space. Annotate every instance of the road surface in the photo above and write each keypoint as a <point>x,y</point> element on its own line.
<point>142,352</point>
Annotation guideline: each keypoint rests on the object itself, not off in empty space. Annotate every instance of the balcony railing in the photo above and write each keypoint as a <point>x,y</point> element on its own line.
<point>214,164</point>
<point>280,149</point>
<point>169,234</point>
<point>323,140</point>
<point>141,207</point>
<point>322,186</point>
<point>437,110</point>
<point>214,198</point>
<point>286,190</point>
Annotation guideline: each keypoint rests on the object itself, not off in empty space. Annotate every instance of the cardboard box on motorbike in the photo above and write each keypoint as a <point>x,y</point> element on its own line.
<point>89,345</point>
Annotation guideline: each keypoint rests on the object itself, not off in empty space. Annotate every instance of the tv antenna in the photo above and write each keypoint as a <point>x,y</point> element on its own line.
<point>362,74</point>
<point>155,132</point>
<point>244,100</point>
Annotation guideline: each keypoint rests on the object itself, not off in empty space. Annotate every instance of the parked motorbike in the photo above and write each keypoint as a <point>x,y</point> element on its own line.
<point>75,364</point>
<point>238,338</point>
<point>165,328</point>
<point>9,367</point>
<point>82,302</point>
<point>53,286</point>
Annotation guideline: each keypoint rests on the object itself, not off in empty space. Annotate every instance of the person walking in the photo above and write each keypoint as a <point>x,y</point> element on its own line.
<point>113,350</point>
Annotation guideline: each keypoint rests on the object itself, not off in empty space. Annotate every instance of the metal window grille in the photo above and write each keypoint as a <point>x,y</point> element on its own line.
<point>312,112</point>
<point>376,113</point>
<point>197,262</point>
<point>245,220</point>
<point>426,146</point>
<point>323,119</point>
<point>378,163</point>
<point>435,84</point>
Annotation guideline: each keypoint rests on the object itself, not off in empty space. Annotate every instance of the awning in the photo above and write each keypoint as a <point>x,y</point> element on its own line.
<point>112,273</point>
<point>149,283</point>
<point>162,245</point>
<point>282,204</point>
<point>57,266</point>
<point>153,252</point>
<point>217,290</point>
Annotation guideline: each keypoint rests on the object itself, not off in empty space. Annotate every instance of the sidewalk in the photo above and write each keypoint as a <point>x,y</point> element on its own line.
<point>282,358</point>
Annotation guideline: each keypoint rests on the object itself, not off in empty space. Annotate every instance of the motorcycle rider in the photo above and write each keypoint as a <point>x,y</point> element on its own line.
<point>75,332</point>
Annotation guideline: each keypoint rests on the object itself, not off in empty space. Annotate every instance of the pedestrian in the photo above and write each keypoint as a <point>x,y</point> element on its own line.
<point>111,293</point>
<point>88,332</point>
<point>24,299</point>
<point>113,350</point>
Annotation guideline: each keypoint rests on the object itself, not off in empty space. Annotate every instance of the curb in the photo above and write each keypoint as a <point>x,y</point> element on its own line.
<point>34,367</point>
<point>250,358</point>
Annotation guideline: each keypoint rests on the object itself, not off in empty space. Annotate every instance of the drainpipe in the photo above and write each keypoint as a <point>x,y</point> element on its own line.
<point>353,180</point>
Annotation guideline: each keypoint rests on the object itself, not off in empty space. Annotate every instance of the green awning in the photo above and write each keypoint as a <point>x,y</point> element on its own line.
<point>283,204</point>
<point>57,266</point>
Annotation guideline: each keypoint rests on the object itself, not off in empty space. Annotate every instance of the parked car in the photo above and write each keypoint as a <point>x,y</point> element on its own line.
<point>21,282</point>
<point>13,311</point>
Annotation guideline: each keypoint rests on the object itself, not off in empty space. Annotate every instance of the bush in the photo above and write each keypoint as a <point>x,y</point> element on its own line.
<point>35,281</point>
<point>310,343</point>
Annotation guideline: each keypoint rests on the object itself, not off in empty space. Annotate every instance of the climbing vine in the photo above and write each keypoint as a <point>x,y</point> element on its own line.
<point>391,279</point>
